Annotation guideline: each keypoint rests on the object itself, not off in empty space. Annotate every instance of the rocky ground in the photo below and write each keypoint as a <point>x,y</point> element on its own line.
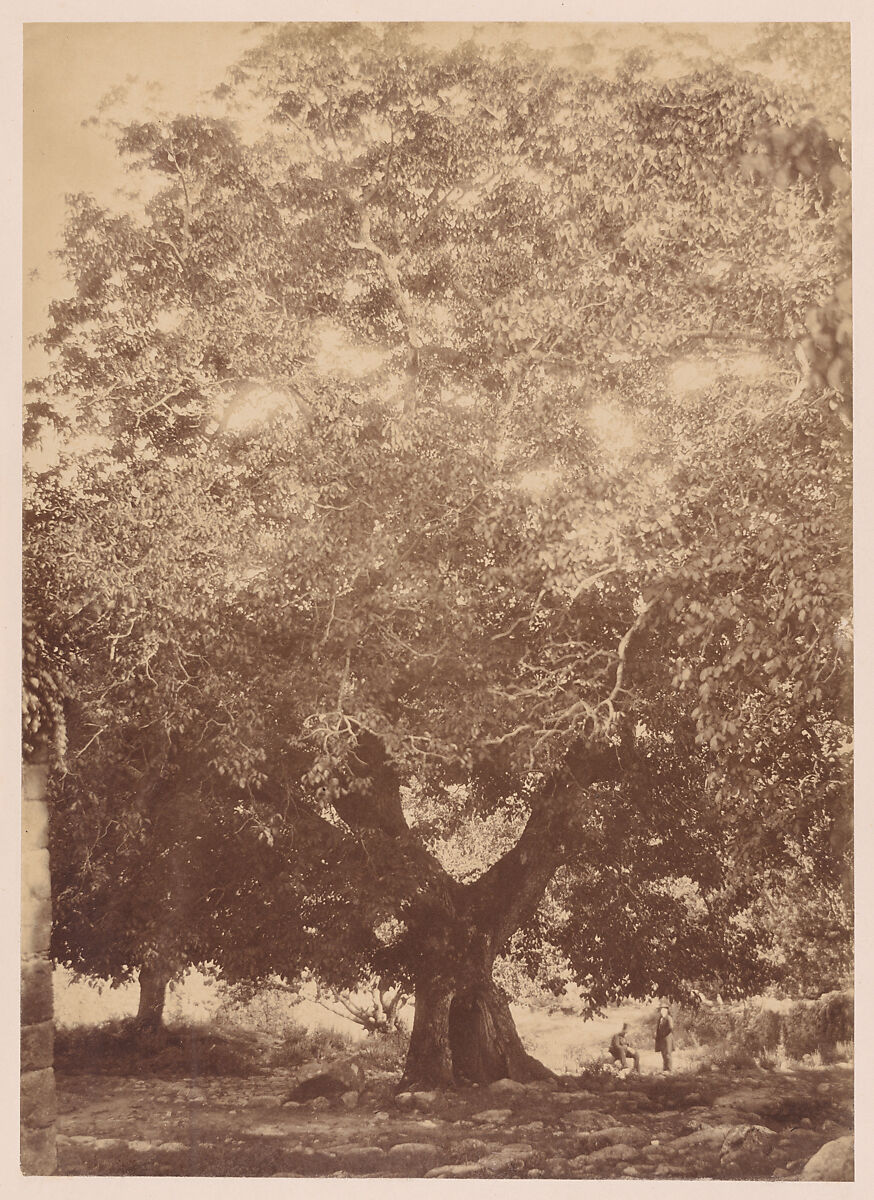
<point>751,1124</point>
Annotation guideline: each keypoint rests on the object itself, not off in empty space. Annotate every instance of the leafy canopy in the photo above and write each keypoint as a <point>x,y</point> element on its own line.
<point>481,530</point>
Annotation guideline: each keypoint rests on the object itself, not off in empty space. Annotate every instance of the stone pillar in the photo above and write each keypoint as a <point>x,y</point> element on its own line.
<point>38,1153</point>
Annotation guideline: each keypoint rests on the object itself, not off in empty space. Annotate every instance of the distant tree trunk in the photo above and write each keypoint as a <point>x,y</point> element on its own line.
<point>153,993</point>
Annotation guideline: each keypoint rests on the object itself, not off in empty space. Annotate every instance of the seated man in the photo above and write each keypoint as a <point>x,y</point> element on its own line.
<point>620,1049</point>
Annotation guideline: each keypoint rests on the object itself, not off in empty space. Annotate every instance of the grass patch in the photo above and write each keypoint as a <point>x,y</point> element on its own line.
<point>384,1052</point>
<point>122,1048</point>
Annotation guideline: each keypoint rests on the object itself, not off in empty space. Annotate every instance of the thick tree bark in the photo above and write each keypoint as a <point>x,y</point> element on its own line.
<point>484,1041</point>
<point>465,1034</point>
<point>463,1030</point>
<point>153,992</point>
<point>429,1059</point>
<point>469,929</point>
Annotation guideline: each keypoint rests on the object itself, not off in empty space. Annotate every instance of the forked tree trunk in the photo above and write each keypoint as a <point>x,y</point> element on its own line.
<point>484,1041</point>
<point>465,1034</point>
<point>153,993</point>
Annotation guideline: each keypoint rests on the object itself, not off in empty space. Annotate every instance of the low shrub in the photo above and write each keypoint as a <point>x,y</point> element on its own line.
<point>299,1045</point>
<point>121,1047</point>
<point>384,1051</point>
<point>761,1031</point>
<point>755,1033</point>
<point>818,1027</point>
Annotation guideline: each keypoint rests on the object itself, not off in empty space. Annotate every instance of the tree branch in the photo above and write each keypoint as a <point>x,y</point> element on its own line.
<point>508,893</point>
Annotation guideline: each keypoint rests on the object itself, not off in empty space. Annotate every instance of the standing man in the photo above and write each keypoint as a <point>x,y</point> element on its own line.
<point>664,1038</point>
<point>620,1049</point>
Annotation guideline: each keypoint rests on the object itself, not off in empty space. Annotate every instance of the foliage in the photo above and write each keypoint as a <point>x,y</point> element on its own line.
<point>121,1048</point>
<point>820,1026</point>
<point>757,1031</point>
<point>382,1051</point>
<point>43,691</point>
<point>300,1045</point>
<point>482,560</point>
<point>812,936</point>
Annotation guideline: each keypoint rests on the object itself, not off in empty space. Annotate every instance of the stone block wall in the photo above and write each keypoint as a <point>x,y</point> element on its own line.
<point>38,1108</point>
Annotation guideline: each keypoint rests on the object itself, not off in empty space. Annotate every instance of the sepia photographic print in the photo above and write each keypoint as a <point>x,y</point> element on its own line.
<point>437,601</point>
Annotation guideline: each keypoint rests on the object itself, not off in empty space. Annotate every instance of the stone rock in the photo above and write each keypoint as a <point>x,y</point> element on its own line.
<point>492,1115</point>
<point>39,1155</point>
<point>535,1173</point>
<point>607,1154</point>
<point>173,1147</point>
<point>531,1127</point>
<point>556,1167</point>
<point>38,1101</point>
<point>509,1158</point>
<point>587,1119</point>
<point>425,1101</point>
<point>327,1079</point>
<point>320,1104</point>
<point>360,1157</point>
<point>662,1170</point>
<point>507,1087</point>
<point>746,1100</point>
<point>475,1147</point>
<point>712,1136</point>
<point>349,1099</point>
<point>618,1152</point>
<point>455,1171</point>
<point>421,1152</point>
<point>37,1045</point>
<point>632,1172</point>
<point>139,1146</point>
<point>404,1100</point>
<point>631,1135</point>
<point>833,1162</point>
<point>756,1138</point>
<point>613,1135</point>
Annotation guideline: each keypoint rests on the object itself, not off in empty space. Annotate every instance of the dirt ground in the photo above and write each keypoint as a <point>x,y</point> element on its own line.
<point>750,1124</point>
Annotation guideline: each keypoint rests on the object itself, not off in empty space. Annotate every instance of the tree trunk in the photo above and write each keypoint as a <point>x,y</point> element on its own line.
<point>484,1041</point>
<point>429,1058</point>
<point>465,1034</point>
<point>153,992</point>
